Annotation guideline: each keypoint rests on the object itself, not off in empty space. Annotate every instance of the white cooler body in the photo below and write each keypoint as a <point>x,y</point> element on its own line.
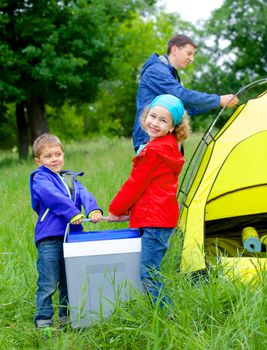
<point>100,274</point>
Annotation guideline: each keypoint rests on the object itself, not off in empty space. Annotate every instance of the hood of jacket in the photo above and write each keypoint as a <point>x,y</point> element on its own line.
<point>156,59</point>
<point>68,175</point>
<point>167,149</point>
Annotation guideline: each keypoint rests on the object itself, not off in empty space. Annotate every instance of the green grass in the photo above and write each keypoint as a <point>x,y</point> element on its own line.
<point>220,314</point>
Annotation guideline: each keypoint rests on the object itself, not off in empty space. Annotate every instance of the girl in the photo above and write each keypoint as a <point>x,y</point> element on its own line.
<point>149,194</point>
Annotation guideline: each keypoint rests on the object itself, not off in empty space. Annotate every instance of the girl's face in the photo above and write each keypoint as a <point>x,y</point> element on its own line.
<point>158,122</point>
<point>52,157</point>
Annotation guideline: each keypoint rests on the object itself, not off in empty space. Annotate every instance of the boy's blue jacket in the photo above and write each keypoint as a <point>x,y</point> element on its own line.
<point>55,204</point>
<point>159,77</point>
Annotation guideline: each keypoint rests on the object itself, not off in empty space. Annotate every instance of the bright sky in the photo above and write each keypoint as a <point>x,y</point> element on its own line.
<point>192,10</point>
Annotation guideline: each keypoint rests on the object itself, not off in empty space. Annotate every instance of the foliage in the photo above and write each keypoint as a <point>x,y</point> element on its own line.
<point>242,24</point>
<point>67,122</point>
<point>57,51</point>
<point>7,126</point>
<point>236,44</point>
<point>232,48</point>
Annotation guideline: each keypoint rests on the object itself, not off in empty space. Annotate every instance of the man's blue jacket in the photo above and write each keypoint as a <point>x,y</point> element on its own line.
<point>159,77</point>
<point>56,201</point>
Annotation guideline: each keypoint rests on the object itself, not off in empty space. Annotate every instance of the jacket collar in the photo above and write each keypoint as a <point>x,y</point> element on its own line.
<point>165,60</point>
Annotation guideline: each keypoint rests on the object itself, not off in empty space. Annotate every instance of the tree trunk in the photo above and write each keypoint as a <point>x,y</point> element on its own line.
<point>23,132</point>
<point>37,117</point>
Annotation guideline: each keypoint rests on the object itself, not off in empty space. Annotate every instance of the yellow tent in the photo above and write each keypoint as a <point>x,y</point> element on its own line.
<point>225,190</point>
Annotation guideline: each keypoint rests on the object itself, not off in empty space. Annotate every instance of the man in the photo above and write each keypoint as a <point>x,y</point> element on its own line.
<point>159,76</point>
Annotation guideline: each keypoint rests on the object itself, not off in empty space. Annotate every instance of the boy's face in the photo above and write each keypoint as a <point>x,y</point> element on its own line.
<point>52,157</point>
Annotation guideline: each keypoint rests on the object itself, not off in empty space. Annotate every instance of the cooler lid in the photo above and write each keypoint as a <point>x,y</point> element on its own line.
<point>74,237</point>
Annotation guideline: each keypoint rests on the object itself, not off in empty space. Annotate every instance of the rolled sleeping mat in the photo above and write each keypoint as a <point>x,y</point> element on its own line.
<point>250,240</point>
<point>263,241</point>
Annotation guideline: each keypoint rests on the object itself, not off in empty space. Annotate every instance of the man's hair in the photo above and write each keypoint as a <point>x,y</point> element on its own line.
<point>179,40</point>
<point>44,140</point>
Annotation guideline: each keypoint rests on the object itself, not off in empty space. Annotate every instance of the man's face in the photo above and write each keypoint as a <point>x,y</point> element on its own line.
<point>183,56</point>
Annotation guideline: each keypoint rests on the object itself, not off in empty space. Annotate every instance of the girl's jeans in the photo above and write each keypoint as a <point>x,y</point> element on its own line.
<point>154,247</point>
<point>51,270</point>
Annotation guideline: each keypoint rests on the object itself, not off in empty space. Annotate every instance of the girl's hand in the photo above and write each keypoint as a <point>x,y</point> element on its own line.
<point>112,218</point>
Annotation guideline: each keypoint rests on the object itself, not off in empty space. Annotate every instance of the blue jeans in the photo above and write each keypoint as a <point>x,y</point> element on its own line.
<point>154,247</point>
<point>51,270</point>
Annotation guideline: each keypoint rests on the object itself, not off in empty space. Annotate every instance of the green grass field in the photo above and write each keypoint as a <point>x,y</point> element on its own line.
<point>220,314</point>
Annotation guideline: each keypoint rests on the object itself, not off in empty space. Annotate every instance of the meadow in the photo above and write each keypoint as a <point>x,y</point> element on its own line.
<point>211,313</point>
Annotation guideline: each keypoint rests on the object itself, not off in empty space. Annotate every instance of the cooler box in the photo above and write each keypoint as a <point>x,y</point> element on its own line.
<point>102,269</point>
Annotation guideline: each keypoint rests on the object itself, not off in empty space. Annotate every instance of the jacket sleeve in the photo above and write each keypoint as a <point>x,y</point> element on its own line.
<point>87,199</point>
<point>159,78</point>
<point>47,193</point>
<point>136,184</point>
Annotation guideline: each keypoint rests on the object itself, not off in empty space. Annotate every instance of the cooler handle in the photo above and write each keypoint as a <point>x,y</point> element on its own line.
<point>104,218</point>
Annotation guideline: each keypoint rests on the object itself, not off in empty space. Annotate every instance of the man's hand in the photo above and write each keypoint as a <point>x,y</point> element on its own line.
<point>224,99</point>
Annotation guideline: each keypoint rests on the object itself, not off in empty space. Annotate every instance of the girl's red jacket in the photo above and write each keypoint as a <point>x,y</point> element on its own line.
<point>150,192</point>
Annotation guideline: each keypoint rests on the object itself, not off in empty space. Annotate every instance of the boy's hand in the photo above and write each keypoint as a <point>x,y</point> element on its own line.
<point>78,221</point>
<point>96,217</point>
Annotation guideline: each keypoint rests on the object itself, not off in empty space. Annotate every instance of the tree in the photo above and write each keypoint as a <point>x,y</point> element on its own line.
<point>232,49</point>
<point>55,51</point>
<point>238,34</point>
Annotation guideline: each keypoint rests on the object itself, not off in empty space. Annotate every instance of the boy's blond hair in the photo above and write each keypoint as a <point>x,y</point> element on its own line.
<point>180,131</point>
<point>44,140</point>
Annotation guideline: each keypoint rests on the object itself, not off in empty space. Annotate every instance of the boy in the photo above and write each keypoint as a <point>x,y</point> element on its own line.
<point>57,197</point>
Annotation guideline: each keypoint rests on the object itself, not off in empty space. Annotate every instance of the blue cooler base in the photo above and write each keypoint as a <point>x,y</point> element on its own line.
<point>103,270</point>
